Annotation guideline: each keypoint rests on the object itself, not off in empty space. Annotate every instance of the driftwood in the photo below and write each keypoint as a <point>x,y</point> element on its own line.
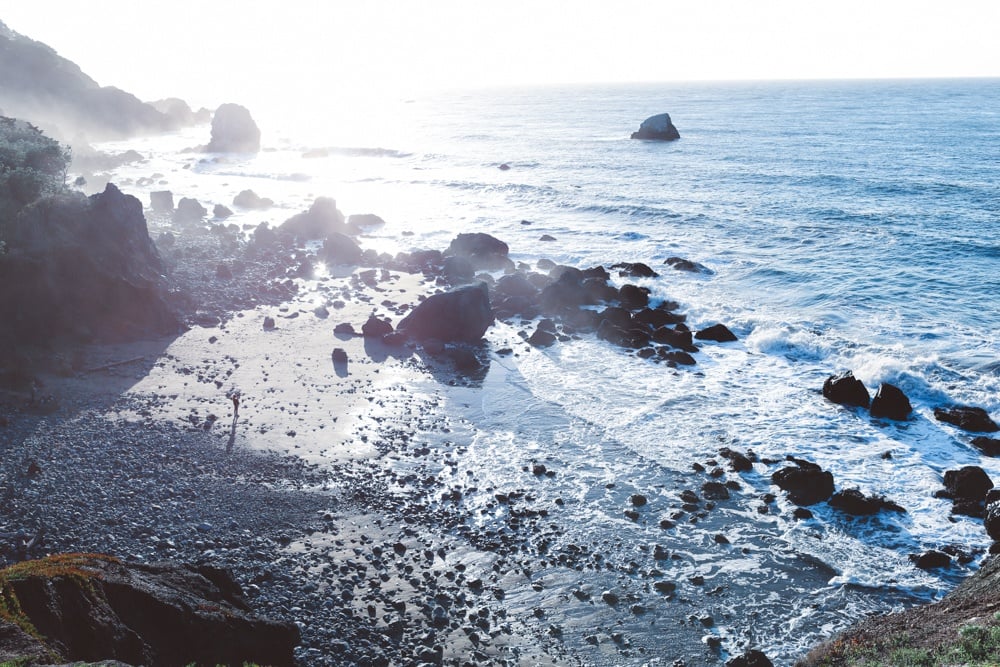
<point>113,364</point>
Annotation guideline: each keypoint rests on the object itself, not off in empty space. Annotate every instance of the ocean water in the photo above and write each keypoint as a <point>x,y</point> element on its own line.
<point>846,225</point>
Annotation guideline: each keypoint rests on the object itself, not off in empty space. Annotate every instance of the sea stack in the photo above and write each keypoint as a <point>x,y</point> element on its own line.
<point>234,131</point>
<point>657,128</point>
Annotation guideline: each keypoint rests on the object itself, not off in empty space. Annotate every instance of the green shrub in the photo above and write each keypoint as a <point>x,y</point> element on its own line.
<point>32,165</point>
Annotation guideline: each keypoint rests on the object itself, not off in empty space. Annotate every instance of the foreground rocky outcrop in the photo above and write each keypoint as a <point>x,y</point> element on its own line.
<point>94,607</point>
<point>461,315</point>
<point>83,268</point>
<point>658,128</point>
<point>930,629</point>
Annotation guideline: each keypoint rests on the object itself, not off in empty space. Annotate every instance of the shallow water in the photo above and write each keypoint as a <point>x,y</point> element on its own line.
<point>846,225</point>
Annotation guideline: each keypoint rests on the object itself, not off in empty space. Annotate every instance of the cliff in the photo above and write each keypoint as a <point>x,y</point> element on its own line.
<point>39,85</point>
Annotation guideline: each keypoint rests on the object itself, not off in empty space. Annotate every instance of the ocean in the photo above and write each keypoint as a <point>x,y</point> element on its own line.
<point>844,225</point>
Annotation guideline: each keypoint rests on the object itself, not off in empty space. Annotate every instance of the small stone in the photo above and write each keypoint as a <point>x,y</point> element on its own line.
<point>609,598</point>
<point>269,323</point>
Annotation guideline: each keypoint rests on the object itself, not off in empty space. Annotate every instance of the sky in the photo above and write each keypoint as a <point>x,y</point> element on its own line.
<point>210,51</point>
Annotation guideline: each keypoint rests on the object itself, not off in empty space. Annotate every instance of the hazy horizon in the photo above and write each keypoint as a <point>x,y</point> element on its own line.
<point>255,51</point>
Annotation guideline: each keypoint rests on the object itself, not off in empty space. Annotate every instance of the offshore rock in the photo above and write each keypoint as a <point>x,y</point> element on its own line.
<point>83,268</point>
<point>658,127</point>
<point>89,607</point>
<point>853,501</point>
<point>805,483</point>
<point>460,315</point>
<point>846,389</point>
<point>967,418</point>
<point>234,131</point>
<point>720,333</point>
<point>890,402</point>
<point>250,199</point>
<point>189,210</point>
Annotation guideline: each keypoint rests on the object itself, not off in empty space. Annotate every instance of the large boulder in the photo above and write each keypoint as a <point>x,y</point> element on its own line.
<point>991,520</point>
<point>234,131</point>
<point>853,501</point>
<point>250,199</point>
<point>658,127</point>
<point>484,251</point>
<point>340,249</point>
<point>890,402</point>
<point>460,315</point>
<point>89,608</point>
<point>846,389</point>
<point>322,219</point>
<point>967,418</point>
<point>805,483</point>
<point>83,268</point>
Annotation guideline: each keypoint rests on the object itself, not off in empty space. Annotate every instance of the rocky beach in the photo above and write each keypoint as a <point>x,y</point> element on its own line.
<point>493,386</point>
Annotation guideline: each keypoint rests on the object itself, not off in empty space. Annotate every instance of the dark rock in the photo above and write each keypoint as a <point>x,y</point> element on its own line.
<point>458,270</point>
<point>234,131</point>
<point>633,297</point>
<point>682,340</point>
<point>657,317</point>
<point>360,222</point>
<point>631,338</point>
<point>609,598</point>
<point>484,251</point>
<point>189,210</point>
<point>967,418</point>
<point>854,502</point>
<point>805,483</point>
<point>462,314</point>
<point>269,324</point>
<point>619,317</point>
<point>658,128</point>
<point>967,483</point>
<point>83,268</point>
<point>250,199</point>
<point>930,559</point>
<point>801,514</point>
<point>376,328</point>
<point>516,284</point>
<point>890,402</point>
<point>845,389</point>
<point>339,355</point>
<point>738,462</point>
<point>566,293</point>
<point>162,201</point>
<point>221,212</point>
<point>635,270</point>
<point>681,264</point>
<point>638,499</point>
<point>678,357</point>
<point>542,338</point>
<point>714,491</point>
<point>988,446</point>
<point>90,608</point>
<point>720,333</point>
<point>345,329</point>
<point>991,520</point>
<point>340,249</point>
<point>321,220</point>
<point>752,658</point>
<point>665,587</point>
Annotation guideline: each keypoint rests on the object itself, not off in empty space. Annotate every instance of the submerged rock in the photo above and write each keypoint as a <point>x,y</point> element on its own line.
<point>658,127</point>
<point>845,389</point>
<point>234,130</point>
